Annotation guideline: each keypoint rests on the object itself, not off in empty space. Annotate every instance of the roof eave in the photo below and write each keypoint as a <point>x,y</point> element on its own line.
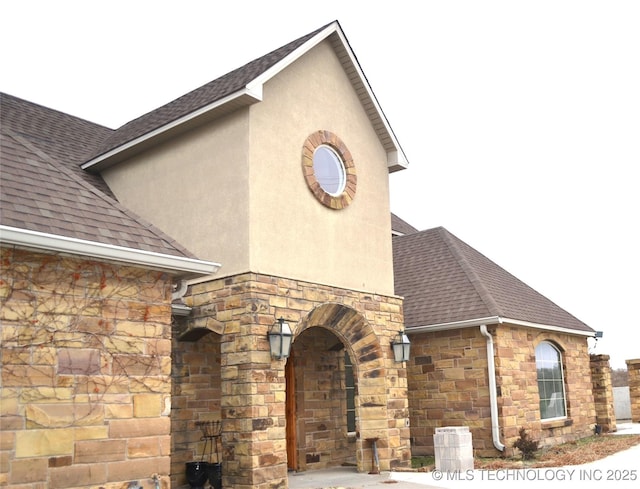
<point>548,327</point>
<point>396,159</point>
<point>241,98</point>
<point>252,93</point>
<point>181,267</point>
<point>470,323</point>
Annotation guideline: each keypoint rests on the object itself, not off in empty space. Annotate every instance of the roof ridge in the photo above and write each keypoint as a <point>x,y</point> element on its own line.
<point>161,235</point>
<point>468,269</point>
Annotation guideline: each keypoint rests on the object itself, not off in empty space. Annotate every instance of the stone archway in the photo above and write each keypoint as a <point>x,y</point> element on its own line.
<point>240,310</point>
<point>318,435</point>
<point>380,400</point>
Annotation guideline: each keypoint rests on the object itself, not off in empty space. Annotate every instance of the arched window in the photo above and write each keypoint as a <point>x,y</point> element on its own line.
<point>550,381</point>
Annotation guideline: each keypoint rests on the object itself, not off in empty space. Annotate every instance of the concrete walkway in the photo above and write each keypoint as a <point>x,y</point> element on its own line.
<point>621,469</point>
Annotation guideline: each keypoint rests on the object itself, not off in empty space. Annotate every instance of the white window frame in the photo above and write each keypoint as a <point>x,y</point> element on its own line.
<point>540,362</point>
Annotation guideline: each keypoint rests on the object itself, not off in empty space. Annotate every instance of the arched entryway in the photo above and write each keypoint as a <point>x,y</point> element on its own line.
<point>337,390</point>
<point>320,404</point>
<point>240,312</point>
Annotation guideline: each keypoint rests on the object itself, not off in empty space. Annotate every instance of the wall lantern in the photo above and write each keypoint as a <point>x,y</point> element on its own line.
<point>401,346</point>
<point>280,337</point>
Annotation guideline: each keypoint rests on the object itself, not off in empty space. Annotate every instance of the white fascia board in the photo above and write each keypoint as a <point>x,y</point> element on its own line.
<point>158,261</point>
<point>470,323</point>
<point>256,94</point>
<point>396,158</point>
<point>294,56</point>
<point>546,327</point>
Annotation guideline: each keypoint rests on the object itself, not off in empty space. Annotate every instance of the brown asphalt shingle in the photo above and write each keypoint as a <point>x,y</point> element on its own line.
<point>444,280</point>
<point>43,187</point>
<point>67,139</point>
<point>200,97</point>
<point>400,227</point>
<point>37,193</point>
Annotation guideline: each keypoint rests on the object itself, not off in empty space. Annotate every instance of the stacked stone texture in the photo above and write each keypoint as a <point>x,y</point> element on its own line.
<point>517,381</point>
<point>240,310</point>
<point>85,374</point>
<point>603,393</point>
<point>633,367</point>
<point>448,386</point>
<point>196,393</point>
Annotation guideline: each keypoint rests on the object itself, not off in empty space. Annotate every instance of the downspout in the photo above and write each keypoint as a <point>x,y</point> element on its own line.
<point>493,391</point>
<point>178,307</point>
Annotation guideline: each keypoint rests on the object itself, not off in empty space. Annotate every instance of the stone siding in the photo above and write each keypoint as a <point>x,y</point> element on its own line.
<point>448,386</point>
<point>240,310</point>
<point>633,367</point>
<point>85,373</point>
<point>603,393</point>
<point>518,389</point>
<point>196,395</point>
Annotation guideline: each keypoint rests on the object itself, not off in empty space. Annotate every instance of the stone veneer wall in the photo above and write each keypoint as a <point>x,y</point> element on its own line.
<point>448,386</point>
<point>241,309</point>
<point>633,367</point>
<point>517,384</point>
<point>603,392</point>
<point>196,395</point>
<point>85,374</point>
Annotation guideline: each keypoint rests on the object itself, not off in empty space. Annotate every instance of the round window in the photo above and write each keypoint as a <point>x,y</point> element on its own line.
<point>327,165</point>
<point>329,170</point>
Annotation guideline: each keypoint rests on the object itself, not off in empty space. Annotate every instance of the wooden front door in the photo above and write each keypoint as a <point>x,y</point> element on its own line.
<point>290,411</point>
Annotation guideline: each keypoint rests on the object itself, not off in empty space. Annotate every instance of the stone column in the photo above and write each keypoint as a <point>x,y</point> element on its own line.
<point>253,400</point>
<point>603,392</point>
<point>633,366</point>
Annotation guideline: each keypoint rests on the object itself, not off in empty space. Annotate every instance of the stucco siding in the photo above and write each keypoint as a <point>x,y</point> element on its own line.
<point>294,235</point>
<point>195,187</point>
<point>233,190</point>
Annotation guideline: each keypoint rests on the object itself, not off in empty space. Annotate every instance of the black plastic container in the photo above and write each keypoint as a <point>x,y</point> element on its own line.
<point>214,472</point>
<point>197,473</point>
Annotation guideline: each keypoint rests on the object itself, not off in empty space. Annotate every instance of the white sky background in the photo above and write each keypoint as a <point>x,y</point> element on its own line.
<point>520,120</point>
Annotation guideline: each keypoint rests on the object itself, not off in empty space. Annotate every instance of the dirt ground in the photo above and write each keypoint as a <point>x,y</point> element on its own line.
<point>572,453</point>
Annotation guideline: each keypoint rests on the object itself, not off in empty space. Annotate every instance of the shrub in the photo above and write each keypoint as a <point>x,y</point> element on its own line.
<point>526,445</point>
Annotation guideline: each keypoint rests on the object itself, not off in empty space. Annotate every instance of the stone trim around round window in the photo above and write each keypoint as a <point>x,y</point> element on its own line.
<point>320,138</point>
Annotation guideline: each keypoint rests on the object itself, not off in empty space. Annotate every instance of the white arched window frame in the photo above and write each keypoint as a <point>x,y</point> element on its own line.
<point>550,374</point>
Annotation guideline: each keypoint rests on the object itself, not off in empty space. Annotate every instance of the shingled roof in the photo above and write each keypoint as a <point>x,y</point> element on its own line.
<point>239,88</point>
<point>64,138</point>
<point>191,102</point>
<point>42,190</point>
<point>400,227</point>
<point>445,281</point>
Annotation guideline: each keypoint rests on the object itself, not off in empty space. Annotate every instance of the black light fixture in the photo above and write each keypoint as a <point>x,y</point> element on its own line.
<point>280,337</point>
<point>401,346</point>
